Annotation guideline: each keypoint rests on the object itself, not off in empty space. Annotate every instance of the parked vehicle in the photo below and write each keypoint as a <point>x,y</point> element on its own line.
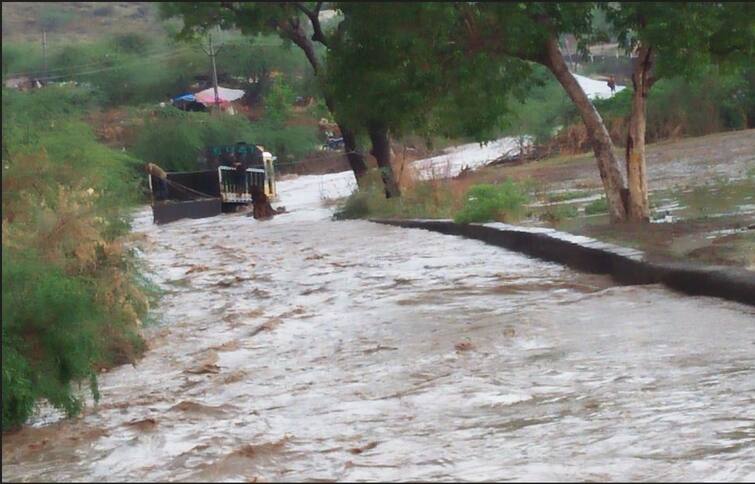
<point>333,143</point>
<point>222,184</point>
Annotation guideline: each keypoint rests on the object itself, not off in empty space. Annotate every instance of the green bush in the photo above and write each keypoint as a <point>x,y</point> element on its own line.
<point>126,68</point>
<point>132,68</point>
<point>131,43</point>
<point>356,206</point>
<point>617,106</point>
<point>241,56</point>
<point>19,392</point>
<point>597,206</point>
<point>278,102</point>
<point>50,317</point>
<point>557,213</point>
<point>563,196</point>
<point>712,102</point>
<point>71,294</point>
<point>52,18</point>
<point>427,199</point>
<point>172,141</point>
<point>21,58</point>
<point>485,203</point>
<point>175,139</point>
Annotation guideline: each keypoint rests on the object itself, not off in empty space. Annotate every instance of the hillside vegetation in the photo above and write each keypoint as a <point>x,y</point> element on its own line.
<point>72,296</point>
<point>65,21</point>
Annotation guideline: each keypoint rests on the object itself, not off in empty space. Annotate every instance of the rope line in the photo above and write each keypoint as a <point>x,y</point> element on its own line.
<point>184,187</point>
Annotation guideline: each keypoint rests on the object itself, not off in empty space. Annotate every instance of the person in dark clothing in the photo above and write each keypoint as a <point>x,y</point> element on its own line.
<point>262,210</point>
<point>159,181</point>
<point>612,84</point>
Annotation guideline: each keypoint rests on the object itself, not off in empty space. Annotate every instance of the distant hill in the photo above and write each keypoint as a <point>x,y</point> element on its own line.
<point>25,21</point>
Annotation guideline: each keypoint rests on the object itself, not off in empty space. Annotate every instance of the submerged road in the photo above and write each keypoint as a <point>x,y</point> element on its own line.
<point>306,349</point>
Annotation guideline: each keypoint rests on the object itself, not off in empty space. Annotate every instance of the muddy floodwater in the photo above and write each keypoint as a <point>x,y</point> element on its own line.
<point>306,349</point>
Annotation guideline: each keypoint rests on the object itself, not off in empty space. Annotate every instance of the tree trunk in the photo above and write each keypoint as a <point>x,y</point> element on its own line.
<point>356,160</point>
<point>381,150</point>
<point>297,35</point>
<point>353,155</point>
<point>609,167</point>
<point>639,208</point>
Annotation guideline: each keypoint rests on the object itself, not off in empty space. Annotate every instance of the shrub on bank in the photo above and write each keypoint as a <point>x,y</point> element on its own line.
<point>710,103</point>
<point>557,213</point>
<point>425,199</point>
<point>441,198</point>
<point>597,206</point>
<point>175,139</point>
<point>72,297</point>
<point>484,203</point>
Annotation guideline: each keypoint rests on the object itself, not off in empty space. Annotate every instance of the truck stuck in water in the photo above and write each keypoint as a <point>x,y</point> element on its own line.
<point>226,179</point>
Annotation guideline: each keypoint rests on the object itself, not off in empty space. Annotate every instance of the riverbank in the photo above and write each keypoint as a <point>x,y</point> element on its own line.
<point>626,266</point>
<point>702,194</point>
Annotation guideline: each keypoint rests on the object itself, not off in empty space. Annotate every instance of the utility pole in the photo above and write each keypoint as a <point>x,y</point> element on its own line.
<point>212,53</point>
<point>44,51</point>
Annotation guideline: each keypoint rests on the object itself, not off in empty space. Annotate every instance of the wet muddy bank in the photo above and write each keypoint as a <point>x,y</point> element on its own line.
<point>627,266</point>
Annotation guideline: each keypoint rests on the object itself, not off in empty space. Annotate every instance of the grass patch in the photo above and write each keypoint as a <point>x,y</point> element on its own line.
<point>457,199</point>
<point>557,213</point>
<point>563,196</point>
<point>426,199</point>
<point>597,206</point>
<point>485,203</point>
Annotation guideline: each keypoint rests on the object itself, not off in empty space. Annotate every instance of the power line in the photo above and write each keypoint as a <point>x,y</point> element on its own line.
<point>94,64</point>
<point>112,68</point>
<point>41,73</point>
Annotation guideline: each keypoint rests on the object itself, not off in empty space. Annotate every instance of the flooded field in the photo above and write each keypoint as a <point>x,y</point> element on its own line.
<point>306,349</point>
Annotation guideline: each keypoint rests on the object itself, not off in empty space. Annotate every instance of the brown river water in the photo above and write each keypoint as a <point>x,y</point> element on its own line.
<point>305,349</point>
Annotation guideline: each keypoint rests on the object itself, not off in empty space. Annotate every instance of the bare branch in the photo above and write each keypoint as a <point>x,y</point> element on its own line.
<point>314,19</point>
<point>292,30</point>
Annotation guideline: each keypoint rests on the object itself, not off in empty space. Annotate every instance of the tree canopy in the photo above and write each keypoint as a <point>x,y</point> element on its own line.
<point>403,68</point>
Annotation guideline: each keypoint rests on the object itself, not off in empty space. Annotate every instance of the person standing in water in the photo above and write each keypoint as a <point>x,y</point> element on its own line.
<point>612,84</point>
<point>159,180</point>
<point>262,210</point>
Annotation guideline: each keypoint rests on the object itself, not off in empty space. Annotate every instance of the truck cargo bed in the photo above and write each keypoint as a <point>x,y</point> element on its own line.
<point>170,210</point>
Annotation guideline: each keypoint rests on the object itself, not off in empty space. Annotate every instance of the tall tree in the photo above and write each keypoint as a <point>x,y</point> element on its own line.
<point>291,21</point>
<point>530,31</point>
<point>671,39</point>
<point>667,38</point>
<point>395,68</point>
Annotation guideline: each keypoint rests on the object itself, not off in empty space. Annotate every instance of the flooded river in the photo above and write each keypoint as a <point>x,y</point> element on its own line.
<point>306,349</point>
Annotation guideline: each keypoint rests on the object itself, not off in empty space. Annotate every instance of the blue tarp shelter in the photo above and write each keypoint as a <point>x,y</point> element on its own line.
<point>185,97</point>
